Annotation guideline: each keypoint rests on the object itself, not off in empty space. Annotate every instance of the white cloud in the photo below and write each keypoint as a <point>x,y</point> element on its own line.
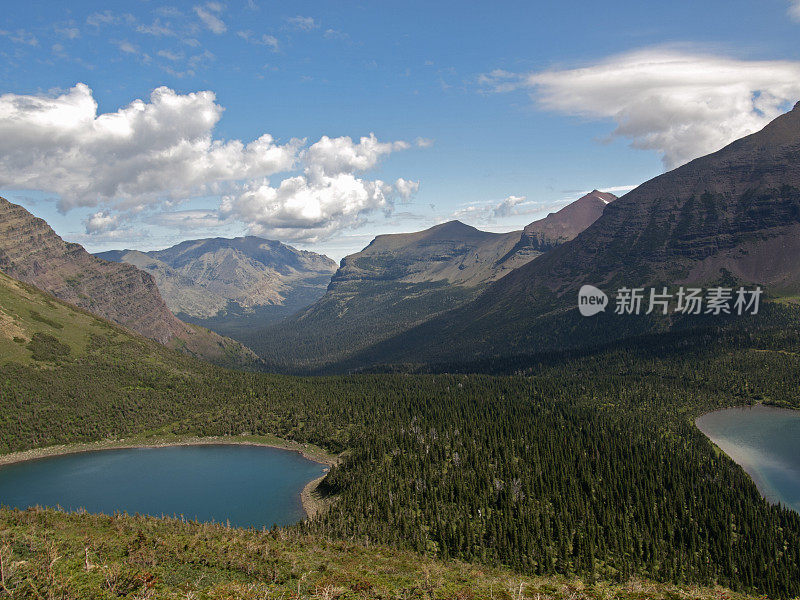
<point>507,206</point>
<point>794,9</point>
<point>308,207</point>
<point>101,222</point>
<point>158,153</point>
<point>327,197</point>
<point>680,104</point>
<point>424,142</point>
<point>405,188</point>
<point>340,155</point>
<point>139,154</point>
<point>209,19</point>
<point>302,23</point>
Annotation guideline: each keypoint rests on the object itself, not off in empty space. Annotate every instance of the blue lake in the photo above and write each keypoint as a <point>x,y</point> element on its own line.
<point>246,485</point>
<point>765,441</point>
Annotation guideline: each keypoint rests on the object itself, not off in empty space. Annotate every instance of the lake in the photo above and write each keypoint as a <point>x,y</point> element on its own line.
<point>765,441</point>
<point>246,485</point>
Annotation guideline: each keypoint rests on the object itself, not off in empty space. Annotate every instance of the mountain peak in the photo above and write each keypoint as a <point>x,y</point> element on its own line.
<point>563,225</point>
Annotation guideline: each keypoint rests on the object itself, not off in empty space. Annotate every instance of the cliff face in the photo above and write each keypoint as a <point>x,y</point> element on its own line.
<point>32,252</point>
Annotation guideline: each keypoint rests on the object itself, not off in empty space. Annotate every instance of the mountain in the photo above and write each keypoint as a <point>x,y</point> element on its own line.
<point>730,217</point>
<point>562,226</point>
<point>401,280</point>
<point>32,252</point>
<point>230,285</point>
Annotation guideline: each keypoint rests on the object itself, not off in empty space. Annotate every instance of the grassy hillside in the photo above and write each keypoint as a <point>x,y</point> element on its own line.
<point>588,468</point>
<point>46,554</point>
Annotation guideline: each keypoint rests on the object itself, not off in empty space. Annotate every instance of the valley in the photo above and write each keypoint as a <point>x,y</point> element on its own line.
<point>434,418</point>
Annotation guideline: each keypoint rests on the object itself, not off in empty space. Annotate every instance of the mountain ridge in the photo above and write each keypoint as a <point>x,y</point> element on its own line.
<point>733,215</point>
<point>401,280</point>
<point>229,284</point>
<point>32,252</point>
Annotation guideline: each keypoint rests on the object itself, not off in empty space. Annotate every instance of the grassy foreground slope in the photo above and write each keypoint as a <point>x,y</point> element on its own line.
<point>588,468</point>
<point>47,554</point>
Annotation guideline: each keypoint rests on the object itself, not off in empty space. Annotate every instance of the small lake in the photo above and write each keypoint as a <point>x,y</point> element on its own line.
<point>246,485</point>
<point>765,442</point>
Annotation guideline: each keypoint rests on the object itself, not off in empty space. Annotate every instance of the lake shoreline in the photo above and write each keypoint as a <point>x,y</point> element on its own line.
<point>311,502</point>
<point>757,460</point>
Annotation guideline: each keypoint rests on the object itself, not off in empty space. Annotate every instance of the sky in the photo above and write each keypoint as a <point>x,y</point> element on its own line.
<point>143,123</point>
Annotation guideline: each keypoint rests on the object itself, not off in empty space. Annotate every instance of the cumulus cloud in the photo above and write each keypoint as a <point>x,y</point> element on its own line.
<point>101,222</point>
<point>794,9</point>
<point>507,206</point>
<point>141,153</point>
<point>680,104</point>
<point>341,154</point>
<point>328,197</point>
<point>157,153</point>
<point>211,20</point>
<point>406,189</point>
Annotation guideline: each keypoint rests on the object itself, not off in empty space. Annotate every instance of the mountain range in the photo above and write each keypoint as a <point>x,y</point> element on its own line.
<point>32,252</point>
<point>231,285</point>
<point>732,217</point>
<point>453,292</point>
<point>401,280</point>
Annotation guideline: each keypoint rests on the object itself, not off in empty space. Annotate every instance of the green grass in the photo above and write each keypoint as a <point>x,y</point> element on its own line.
<point>26,311</point>
<point>50,554</point>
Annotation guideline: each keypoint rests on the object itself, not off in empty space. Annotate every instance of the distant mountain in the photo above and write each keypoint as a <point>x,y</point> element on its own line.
<point>562,226</point>
<point>401,280</point>
<point>32,252</point>
<point>731,217</point>
<point>230,285</point>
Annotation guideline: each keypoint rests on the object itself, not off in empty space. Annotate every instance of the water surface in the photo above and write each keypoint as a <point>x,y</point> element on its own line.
<point>246,485</point>
<point>765,441</point>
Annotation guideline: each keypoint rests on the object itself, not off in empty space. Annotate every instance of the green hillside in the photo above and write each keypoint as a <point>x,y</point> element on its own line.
<point>47,554</point>
<point>587,468</point>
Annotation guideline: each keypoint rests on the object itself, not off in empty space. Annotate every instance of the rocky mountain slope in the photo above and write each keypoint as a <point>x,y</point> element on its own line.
<point>562,226</point>
<point>730,217</point>
<point>233,284</point>
<point>32,252</point>
<point>401,280</point>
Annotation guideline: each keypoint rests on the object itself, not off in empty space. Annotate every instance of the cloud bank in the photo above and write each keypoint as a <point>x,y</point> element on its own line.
<point>680,104</point>
<point>150,154</point>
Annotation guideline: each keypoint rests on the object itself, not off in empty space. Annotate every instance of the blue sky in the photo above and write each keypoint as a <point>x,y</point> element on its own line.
<point>494,113</point>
